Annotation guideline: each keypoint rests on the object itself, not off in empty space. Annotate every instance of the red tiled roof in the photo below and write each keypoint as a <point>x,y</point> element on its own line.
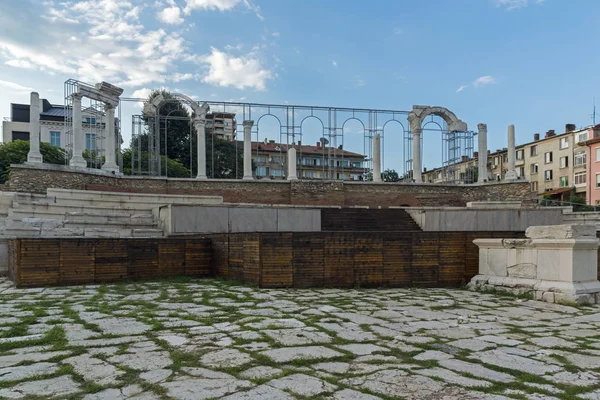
<point>306,149</point>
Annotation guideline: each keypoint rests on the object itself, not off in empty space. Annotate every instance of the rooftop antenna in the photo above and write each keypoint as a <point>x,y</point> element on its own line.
<point>594,113</point>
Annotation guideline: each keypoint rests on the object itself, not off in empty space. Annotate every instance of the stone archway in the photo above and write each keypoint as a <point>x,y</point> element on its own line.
<point>415,118</point>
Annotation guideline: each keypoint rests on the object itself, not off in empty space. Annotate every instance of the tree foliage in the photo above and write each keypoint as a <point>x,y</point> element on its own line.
<point>390,175</point>
<point>174,168</point>
<point>16,153</point>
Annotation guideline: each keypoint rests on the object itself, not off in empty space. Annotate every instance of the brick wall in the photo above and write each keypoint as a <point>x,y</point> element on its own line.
<point>29,179</point>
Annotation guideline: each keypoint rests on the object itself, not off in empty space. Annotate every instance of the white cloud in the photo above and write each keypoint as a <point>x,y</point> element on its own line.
<point>170,15</point>
<point>479,82</point>
<point>20,64</point>
<point>513,4</point>
<point>15,87</point>
<point>358,82</point>
<point>178,77</point>
<point>484,81</point>
<point>276,34</point>
<point>142,93</point>
<point>240,72</point>
<point>334,63</point>
<point>220,5</point>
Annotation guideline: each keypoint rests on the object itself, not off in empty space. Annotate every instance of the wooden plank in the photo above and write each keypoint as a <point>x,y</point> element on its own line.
<point>276,258</point>
<point>368,260</point>
<point>397,259</point>
<point>77,261</point>
<point>308,259</point>
<point>425,258</point>
<point>39,261</point>
<point>339,259</point>
<point>198,258</point>
<point>111,260</point>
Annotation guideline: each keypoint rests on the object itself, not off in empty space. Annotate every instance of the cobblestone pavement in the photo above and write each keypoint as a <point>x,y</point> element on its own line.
<point>205,339</point>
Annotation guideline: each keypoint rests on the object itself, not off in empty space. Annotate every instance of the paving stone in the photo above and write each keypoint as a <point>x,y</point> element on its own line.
<point>476,370</point>
<point>260,372</point>
<point>501,340</point>
<point>121,326</point>
<point>303,385</point>
<point>396,382</point>
<point>298,336</point>
<point>452,377</point>
<point>261,392</point>
<point>349,394</point>
<point>174,340</point>
<point>584,378</point>
<point>143,361</point>
<point>515,362</point>
<point>27,338</point>
<point>226,358</point>
<point>205,384</point>
<point>60,386</point>
<point>595,395</point>
<point>6,361</point>
<point>472,344</point>
<point>551,341</point>
<point>433,355</point>
<point>284,355</point>
<point>94,369</point>
<point>156,375</point>
<point>26,371</point>
<point>362,349</point>
<point>546,387</point>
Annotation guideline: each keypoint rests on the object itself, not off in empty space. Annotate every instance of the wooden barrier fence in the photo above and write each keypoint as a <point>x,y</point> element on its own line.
<point>68,261</point>
<point>347,259</point>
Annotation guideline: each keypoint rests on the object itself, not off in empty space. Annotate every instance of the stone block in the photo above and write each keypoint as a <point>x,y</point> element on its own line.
<point>528,271</point>
<point>567,231</point>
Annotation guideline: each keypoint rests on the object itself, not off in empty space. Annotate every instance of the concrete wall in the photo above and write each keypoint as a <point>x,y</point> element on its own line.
<point>465,220</point>
<point>25,178</point>
<point>177,219</point>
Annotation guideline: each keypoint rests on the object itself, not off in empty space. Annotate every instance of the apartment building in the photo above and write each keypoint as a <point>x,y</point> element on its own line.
<point>222,124</point>
<point>52,125</point>
<point>313,162</point>
<point>555,165</point>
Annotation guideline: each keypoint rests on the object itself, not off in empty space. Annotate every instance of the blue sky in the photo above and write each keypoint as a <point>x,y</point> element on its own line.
<point>530,63</point>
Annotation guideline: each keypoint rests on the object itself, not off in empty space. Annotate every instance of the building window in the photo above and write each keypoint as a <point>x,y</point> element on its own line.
<point>580,178</point>
<point>55,138</point>
<point>90,141</point>
<point>260,159</point>
<point>20,135</point>
<point>564,181</point>
<point>505,158</point>
<point>564,143</point>
<point>533,151</point>
<point>496,160</point>
<point>89,120</point>
<point>597,153</point>
<point>548,157</point>
<point>582,136</point>
<point>598,180</point>
<point>357,164</point>
<point>579,159</point>
<point>534,169</point>
<point>564,162</point>
<point>548,175</point>
<point>520,154</point>
<point>521,171</point>
<point>276,172</point>
<point>261,171</point>
<point>534,186</point>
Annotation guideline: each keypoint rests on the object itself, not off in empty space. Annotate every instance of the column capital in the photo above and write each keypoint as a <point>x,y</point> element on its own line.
<point>482,127</point>
<point>417,131</point>
<point>198,120</point>
<point>248,122</point>
<point>77,96</point>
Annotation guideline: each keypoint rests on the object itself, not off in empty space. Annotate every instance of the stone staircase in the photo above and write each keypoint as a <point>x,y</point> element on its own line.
<point>63,212</point>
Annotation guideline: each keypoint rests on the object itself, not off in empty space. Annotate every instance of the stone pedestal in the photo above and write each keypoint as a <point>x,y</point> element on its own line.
<point>77,159</point>
<point>417,168</point>
<point>34,156</point>
<point>291,164</point>
<point>511,174</point>
<point>110,163</point>
<point>482,171</point>
<point>248,149</point>
<point>377,158</point>
<point>556,263</point>
<point>199,125</point>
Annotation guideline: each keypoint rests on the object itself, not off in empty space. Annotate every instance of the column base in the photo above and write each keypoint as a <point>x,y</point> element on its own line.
<point>201,177</point>
<point>111,167</point>
<point>35,158</point>
<point>511,176</point>
<point>248,178</point>
<point>292,178</point>
<point>78,162</point>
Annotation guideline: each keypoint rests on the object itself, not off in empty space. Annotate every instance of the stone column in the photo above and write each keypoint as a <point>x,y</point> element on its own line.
<point>377,158</point>
<point>291,161</point>
<point>199,125</point>
<point>511,174</point>
<point>482,175</point>
<point>248,149</point>
<point>34,155</point>
<point>417,168</point>
<point>110,163</point>
<point>77,159</point>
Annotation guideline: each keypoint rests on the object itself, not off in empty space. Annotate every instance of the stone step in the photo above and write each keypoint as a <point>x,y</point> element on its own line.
<point>32,197</point>
<point>33,223</point>
<point>96,218</point>
<point>70,196</point>
<point>82,223</point>
<point>59,211</point>
<point>147,233</point>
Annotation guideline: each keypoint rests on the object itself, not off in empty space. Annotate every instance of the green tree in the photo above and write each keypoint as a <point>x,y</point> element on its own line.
<point>16,153</point>
<point>390,175</point>
<point>174,168</point>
